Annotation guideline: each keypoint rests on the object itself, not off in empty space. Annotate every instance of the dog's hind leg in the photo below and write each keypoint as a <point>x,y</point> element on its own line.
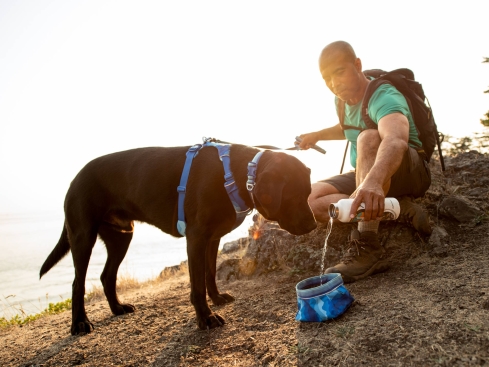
<point>210,275</point>
<point>196,250</point>
<point>81,249</point>
<point>117,243</point>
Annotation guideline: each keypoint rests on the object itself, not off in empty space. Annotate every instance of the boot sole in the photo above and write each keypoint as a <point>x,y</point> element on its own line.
<point>378,267</point>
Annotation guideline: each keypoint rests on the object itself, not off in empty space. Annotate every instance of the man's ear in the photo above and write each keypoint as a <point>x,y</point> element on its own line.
<point>358,65</point>
<point>268,192</point>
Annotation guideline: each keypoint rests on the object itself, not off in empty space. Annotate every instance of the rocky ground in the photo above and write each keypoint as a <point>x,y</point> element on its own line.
<point>430,308</point>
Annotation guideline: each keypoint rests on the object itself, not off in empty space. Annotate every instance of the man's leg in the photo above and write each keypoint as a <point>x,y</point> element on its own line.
<point>322,195</point>
<point>364,255</point>
<point>367,146</point>
<point>411,180</point>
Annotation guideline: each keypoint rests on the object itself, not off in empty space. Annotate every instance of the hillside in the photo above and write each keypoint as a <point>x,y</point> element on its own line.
<point>430,308</point>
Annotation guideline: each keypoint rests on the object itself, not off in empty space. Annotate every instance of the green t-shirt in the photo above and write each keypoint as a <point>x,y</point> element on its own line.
<point>384,101</point>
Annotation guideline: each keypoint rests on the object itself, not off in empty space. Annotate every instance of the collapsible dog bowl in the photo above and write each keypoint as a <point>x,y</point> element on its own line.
<point>322,298</point>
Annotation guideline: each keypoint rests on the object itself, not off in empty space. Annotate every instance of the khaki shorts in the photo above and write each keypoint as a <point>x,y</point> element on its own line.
<point>412,178</point>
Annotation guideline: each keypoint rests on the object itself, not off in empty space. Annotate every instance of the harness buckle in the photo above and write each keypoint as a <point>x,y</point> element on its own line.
<point>195,147</point>
<point>181,189</point>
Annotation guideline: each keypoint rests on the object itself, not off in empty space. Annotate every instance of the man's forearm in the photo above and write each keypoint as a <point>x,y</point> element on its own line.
<point>394,132</point>
<point>330,133</point>
<point>388,160</point>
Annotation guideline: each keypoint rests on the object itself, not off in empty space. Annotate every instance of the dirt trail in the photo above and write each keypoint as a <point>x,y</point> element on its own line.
<point>431,308</point>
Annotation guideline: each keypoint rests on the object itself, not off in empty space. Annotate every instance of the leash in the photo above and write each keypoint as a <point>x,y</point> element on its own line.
<point>271,147</point>
<point>344,156</point>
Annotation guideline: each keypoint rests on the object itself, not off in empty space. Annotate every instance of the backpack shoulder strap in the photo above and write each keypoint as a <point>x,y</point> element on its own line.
<point>371,88</point>
<point>341,113</point>
<point>397,78</point>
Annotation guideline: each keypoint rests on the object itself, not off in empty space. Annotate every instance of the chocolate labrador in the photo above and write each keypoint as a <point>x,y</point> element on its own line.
<point>113,191</point>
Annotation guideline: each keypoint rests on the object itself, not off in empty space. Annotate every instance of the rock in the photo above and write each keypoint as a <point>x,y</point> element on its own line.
<point>235,245</point>
<point>439,242</point>
<point>230,247</point>
<point>274,249</point>
<point>263,244</point>
<point>477,192</point>
<point>170,271</point>
<point>460,209</point>
<point>438,237</point>
<point>229,270</point>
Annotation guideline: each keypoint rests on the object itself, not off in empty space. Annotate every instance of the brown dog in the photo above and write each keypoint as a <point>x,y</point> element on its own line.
<point>113,191</point>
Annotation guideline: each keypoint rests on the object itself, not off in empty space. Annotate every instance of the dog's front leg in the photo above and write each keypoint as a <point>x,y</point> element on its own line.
<point>210,276</point>
<point>196,250</point>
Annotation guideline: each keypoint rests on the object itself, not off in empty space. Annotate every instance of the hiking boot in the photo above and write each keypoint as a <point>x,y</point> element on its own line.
<point>413,214</point>
<point>364,256</point>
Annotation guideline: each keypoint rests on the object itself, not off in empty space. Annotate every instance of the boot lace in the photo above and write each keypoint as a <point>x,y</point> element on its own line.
<point>353,250</point>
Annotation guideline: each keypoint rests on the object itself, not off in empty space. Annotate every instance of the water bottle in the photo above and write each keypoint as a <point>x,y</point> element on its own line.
<point>341,210</point>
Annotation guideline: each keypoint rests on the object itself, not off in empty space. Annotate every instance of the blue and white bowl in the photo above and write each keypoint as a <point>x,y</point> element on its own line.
<point>322,298</point>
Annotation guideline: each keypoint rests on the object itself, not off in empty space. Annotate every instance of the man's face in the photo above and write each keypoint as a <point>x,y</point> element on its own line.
<point>342,76</point>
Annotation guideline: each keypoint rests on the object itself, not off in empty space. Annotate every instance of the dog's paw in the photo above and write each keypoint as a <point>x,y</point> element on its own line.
<point>123,308</point>
<point>222,298</point>
<point>212,321</point>
<point>81,327</point>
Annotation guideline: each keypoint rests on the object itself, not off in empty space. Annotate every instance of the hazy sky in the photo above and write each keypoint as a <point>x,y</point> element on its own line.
<point>79,79</point>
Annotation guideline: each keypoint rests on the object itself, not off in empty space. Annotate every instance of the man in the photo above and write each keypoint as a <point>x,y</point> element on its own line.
<point>386,161</point>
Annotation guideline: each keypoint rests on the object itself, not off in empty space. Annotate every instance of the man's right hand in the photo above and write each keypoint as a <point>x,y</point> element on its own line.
<point>308,140</point>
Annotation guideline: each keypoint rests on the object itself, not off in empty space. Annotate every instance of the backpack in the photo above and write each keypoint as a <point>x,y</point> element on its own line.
<point>403,80</point>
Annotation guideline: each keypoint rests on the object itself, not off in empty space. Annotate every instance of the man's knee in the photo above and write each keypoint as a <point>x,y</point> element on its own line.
<point>320,189</point>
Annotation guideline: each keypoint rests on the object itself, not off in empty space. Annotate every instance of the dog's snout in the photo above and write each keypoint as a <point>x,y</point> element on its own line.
<point>302,225</point>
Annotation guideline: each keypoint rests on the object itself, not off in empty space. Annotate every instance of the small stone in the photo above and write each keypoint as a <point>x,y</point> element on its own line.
<point>460,209</point>
<point>239,244</point>
<point>438,237</point>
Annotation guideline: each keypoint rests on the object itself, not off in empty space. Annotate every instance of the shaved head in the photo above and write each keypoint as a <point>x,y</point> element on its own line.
<point>341,69</point>
<point>342,47</point>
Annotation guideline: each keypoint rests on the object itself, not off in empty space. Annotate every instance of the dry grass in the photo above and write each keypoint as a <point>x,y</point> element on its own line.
<point>126,282</point>
<point>16,315</point>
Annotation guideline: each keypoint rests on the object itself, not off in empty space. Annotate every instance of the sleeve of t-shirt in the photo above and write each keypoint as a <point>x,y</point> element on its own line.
<point>386,100</point>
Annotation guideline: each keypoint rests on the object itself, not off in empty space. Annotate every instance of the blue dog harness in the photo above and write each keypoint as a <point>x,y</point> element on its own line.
<point>242,210</point>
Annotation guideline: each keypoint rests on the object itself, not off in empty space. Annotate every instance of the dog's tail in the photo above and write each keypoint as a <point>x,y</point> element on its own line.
<point>60,251</point>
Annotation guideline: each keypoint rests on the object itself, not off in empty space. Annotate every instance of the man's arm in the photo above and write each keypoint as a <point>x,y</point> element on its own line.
<point>330,133</point>
<point>393,130</point>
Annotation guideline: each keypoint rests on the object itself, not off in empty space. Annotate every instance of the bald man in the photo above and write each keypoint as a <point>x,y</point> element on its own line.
<point>386,161</point>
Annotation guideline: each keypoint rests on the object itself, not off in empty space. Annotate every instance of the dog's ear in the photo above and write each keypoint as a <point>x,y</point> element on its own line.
<point>268,192</point>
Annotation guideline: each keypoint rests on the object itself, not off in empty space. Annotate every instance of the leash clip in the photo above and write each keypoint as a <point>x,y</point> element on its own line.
<point>250,184</point>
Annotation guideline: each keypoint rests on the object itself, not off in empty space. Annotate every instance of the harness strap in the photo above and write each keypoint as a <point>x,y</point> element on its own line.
<point>182,188</point>
<point>229,183</point>
<point>252,167</point>
<point>240,207</point>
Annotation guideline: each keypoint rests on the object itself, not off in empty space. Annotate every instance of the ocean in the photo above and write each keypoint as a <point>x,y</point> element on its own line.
<point>26,239</point>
